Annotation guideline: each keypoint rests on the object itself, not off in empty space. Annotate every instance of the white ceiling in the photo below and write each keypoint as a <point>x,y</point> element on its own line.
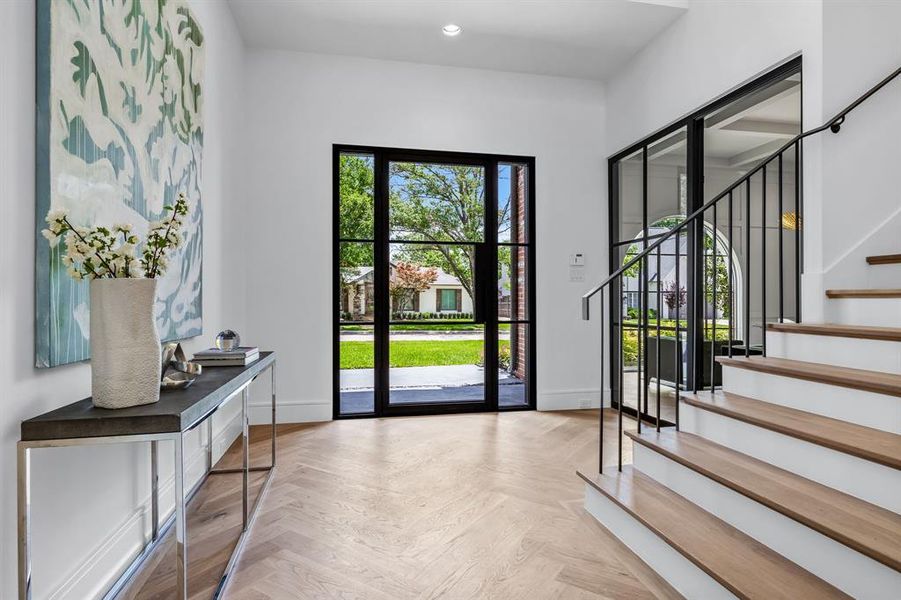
<point>587,39</point>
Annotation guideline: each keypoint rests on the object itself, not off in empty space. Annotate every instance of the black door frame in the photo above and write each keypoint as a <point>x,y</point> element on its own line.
<point>486,280</point>
<point>694,126</point>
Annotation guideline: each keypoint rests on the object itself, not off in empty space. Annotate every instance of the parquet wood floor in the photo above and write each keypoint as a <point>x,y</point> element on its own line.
<point>458,506</point>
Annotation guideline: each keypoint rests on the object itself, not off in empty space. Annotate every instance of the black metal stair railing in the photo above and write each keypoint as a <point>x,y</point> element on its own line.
<point>704,289</point>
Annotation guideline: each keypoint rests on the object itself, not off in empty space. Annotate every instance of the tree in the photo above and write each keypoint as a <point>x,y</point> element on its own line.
<point>435,204</point>
<point>406,280</point>
<point>674,297</point>
<point>716,270</point>
<point>355,214</point>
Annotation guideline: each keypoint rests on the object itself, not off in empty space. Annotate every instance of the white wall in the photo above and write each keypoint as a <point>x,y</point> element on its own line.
<point>301,104</point>
<point>713,48</point>
<point>84,498</point>
<point>861,193</point>
<point>846,47</point>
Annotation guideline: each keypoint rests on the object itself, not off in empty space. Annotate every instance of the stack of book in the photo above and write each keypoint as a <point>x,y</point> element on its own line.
<point>238,357</point>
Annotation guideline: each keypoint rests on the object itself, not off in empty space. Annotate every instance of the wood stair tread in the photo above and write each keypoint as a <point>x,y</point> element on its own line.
<point>737,561</point>
<point>859,379</point>
<point>884,259</point>
<point>867,443</point>
<point>868,529</point>
<point>865,293</point>
<point>892,334</point>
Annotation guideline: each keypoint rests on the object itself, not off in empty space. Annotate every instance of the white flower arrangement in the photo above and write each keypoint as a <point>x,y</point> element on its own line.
<point>102,252</point>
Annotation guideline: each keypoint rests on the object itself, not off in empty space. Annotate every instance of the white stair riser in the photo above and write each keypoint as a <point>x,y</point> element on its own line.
<point>831,561</point>
<point>683,575</point>
<point>884,276</point>
<point>873,355</point>
<point>878,411</point>
<point>864,479</point>
<point>878,312</point>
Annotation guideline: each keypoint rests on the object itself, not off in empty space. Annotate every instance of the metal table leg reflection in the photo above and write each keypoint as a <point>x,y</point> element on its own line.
<point>178,519</point>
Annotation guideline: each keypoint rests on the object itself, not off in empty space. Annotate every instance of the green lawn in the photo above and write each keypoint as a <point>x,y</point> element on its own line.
<point>439,326</point>
<point>415,353</point>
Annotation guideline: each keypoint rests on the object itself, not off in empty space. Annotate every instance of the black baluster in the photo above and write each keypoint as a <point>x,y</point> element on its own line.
<point>781,252</point>
<point>713,308</point>
<point>678,352</point>
<point>763,257</point>
<point>798,225</point>
<point>646,334</point>
<point>639,339</point>
<point>657,361</point>
<point>748,267</point>
<point>644,382</point>
<point>619,370</point>
<point>731,283</point>
<point>601,435</point>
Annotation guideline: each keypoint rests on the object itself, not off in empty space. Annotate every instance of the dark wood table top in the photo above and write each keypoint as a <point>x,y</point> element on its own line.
<point>176,411</point>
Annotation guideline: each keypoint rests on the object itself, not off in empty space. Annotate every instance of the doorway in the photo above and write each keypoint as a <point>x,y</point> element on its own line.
<point>433,276</point>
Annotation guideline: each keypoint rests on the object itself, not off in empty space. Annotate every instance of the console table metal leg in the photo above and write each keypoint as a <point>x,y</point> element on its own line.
<point>181,548</point>
<point>245,433</point>
<point>154,490</point>
<point>209,446</point>
<point>272,369</point>
<point>24,520</point>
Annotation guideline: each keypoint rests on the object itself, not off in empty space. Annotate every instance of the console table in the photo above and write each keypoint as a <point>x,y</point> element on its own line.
<point>177,413</point>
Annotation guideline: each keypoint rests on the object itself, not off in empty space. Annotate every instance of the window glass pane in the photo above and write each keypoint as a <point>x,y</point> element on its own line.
<point>427,281</point>
<point>357,377</point>
<point>512,203</point>
<point>629,189</point>
<point>356,176</point>
<point>356,301</point>
<point>667,180</point>
<point>448,300</point>
<point>425,368</point>
<point>513,364</point>
<point>512,283</point>
<point>434,202</point>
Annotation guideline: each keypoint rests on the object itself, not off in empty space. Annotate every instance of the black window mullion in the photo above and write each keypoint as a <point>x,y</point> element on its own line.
<point>382,258</point>
<point>490,300</point>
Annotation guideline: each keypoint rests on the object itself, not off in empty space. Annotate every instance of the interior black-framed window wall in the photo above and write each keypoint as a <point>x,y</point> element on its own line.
<point>652,185</point>
<point>434,270</point>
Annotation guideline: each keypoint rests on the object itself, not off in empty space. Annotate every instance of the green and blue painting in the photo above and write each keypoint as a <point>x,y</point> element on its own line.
<point>119,136</point>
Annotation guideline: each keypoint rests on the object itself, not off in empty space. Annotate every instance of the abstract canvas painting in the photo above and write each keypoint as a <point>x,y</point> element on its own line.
<point>119,136</point>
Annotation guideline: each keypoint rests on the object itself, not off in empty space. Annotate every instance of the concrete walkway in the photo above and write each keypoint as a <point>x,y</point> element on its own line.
<point>421,336</point>
<point>421,377</point>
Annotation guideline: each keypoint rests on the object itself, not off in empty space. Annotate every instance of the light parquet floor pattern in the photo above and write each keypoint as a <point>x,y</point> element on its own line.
<point>458,506</point>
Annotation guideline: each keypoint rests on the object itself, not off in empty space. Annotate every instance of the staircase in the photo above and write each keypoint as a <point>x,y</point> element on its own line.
<point>786,483</point>
<point>783,480</point>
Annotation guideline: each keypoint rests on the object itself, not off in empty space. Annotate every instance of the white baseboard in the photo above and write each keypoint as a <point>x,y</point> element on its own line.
<point>102,566</point>
<point>297,411</point>
<point>572,399</point>
<point>290,411</point>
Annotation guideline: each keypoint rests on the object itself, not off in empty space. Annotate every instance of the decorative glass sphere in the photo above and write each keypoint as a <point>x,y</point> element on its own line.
<point>228,340</point>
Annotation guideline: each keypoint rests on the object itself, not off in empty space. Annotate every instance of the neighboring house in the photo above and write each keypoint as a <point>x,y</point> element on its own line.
<point>445,295</point>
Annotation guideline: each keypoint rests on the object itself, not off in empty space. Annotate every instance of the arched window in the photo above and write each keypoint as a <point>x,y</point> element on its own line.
<point>667,296</point>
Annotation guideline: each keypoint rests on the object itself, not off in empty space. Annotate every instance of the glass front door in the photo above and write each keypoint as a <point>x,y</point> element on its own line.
<point>436,237</point>
<point>432,280</point>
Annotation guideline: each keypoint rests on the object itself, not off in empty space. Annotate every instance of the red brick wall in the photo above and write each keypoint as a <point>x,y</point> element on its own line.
<point>518,334</point>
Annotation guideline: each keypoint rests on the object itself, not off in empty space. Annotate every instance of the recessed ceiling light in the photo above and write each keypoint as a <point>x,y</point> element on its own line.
<point>451,30</point>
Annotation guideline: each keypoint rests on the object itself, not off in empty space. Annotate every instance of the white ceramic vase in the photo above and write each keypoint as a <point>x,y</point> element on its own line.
<point>125,346</point>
